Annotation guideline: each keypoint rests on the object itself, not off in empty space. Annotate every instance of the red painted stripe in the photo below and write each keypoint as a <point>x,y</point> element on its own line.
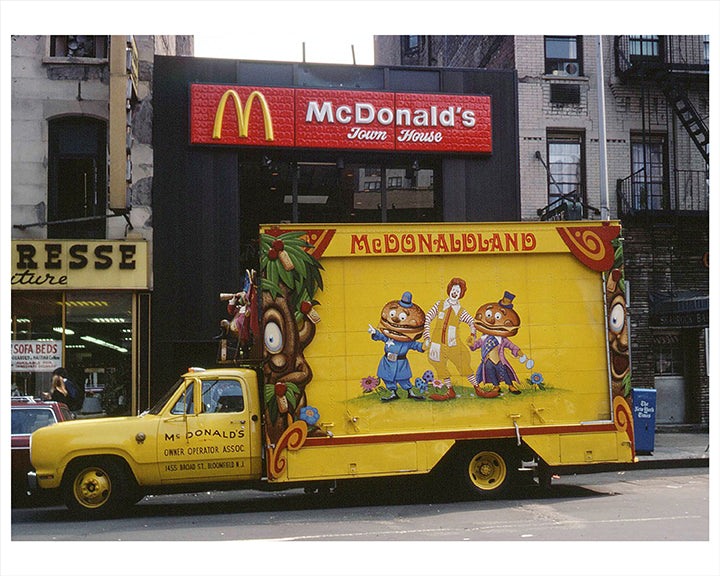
<point>457,435</point>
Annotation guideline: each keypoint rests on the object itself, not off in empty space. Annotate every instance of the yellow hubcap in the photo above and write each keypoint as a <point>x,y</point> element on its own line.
<point>487,470</point>
<point>92,487</point>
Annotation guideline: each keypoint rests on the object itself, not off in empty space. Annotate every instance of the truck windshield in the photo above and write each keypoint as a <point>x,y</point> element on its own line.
<point>160,403</point>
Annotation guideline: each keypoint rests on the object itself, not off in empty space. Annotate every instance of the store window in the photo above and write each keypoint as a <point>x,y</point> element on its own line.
<point>98,345</point>
<point>392,194</point>
<point>326,192</point>
<point>77,177</point>
<point>649,172</point>
<point>36,317</point>
<point>563,55</point>
<point>706,49</point>
<point>566,168</point>
<point>93,334</point>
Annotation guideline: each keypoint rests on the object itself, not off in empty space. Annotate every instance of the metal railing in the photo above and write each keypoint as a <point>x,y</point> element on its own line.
<point>672,53</point>
<point>688,191</point>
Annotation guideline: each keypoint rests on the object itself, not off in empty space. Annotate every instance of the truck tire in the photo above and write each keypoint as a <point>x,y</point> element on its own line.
<point>487,472</point>
<point>95,488</point>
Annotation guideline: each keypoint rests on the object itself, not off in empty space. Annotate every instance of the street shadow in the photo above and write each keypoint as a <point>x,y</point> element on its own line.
<point>366,493</point>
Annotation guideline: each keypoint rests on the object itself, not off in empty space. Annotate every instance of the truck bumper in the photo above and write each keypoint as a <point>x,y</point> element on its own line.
<point>33,487</point>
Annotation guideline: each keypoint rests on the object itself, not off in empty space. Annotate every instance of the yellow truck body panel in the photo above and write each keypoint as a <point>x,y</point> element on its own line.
<point>548,380</point>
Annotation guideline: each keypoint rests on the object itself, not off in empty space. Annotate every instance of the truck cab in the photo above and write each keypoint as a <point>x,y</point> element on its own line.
<point>209,428</point>
<point>206,429</point>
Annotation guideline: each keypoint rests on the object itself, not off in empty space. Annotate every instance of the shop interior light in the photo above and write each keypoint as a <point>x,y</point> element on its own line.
<point>68,331</point>
<point>74,346</point>
<point>103,343</point>
<point>109,320</point>
<point>22,320</point>
<point>86,303</point>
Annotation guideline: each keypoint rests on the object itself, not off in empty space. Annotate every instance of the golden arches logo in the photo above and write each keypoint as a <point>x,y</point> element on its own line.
<point>243,114</point>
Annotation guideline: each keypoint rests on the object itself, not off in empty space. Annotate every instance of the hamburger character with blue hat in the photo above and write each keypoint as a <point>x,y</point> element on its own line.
<point>400,328</point>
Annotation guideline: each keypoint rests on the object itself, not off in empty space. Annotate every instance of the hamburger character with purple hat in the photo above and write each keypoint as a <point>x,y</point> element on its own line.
<point>400,327</point>
<point>497,322</point>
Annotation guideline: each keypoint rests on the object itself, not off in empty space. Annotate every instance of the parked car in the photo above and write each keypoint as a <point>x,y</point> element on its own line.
<point>29,414</point>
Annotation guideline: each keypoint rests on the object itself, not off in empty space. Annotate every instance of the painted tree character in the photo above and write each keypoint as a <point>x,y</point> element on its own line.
<point>618,334</point>
<point>497,321</point>
<point>443,342</point>
<point>400,327</point>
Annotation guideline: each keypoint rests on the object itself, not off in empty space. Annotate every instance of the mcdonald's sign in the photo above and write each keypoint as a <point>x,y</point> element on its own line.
<point>339,119</point>
<point>241,116</point>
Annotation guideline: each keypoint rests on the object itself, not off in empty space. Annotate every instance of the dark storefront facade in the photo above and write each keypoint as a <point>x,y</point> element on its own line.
<point>331,163</point>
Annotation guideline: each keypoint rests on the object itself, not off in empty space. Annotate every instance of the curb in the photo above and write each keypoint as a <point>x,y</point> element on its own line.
<point>640,465</point>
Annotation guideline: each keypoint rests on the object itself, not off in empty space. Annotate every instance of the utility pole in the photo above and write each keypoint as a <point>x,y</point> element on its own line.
<point>604,202</point>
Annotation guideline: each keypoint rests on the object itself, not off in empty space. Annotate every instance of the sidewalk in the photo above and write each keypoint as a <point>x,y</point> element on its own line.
<point>677,449</point>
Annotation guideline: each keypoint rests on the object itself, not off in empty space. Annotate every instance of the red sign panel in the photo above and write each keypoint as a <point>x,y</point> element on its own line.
<point>349,120</point>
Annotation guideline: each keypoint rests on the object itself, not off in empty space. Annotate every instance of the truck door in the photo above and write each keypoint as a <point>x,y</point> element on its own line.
<point>206,435</point>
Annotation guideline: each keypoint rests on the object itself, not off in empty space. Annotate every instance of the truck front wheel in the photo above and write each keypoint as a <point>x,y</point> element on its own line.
<point>96,488</point>
<point>487,473</point>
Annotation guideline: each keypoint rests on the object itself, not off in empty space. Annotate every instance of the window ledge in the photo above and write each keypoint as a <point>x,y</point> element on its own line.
<point>565,77</point>
<point>74,60</point>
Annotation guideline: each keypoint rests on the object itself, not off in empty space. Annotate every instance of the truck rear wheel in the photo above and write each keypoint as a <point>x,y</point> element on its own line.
<point>96,488</point>
<point>488,472</point>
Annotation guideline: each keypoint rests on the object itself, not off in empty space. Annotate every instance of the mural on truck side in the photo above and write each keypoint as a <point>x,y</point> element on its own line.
<point>291,277</point>
<point>617,326</point>
<point>498,321</point>
<point>426,356</point>
<point>400,328</point>
<point>618,339</point>
<point>400,324</point>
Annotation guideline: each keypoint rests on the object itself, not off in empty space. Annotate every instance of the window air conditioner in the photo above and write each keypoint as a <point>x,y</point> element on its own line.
<point>571,68</point>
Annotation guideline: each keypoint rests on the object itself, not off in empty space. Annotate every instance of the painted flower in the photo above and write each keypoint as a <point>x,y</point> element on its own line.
<point>438,384</point>
<point>428,376</point>
<point>537,378</point>
<point>310,415</point>
<point>369,384</point>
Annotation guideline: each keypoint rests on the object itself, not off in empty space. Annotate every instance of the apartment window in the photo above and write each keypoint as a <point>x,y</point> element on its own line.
<point>563,55</point>
<point>77,177</point>
<point>645,47</point>
<point>411,44</point>
<point>649,172</point>
<point>566,160</point>
<point>79,46</point>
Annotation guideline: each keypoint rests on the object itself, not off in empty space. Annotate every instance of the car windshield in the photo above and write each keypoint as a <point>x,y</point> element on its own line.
<point>160,403</point>
<point>27,420</point>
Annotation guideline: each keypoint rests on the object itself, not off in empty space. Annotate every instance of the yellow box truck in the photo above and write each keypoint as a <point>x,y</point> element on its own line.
<point>467,350</point>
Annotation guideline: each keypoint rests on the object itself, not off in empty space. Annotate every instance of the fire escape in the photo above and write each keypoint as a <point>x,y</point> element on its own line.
<point>665,198</point>
<point>671,125</point>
